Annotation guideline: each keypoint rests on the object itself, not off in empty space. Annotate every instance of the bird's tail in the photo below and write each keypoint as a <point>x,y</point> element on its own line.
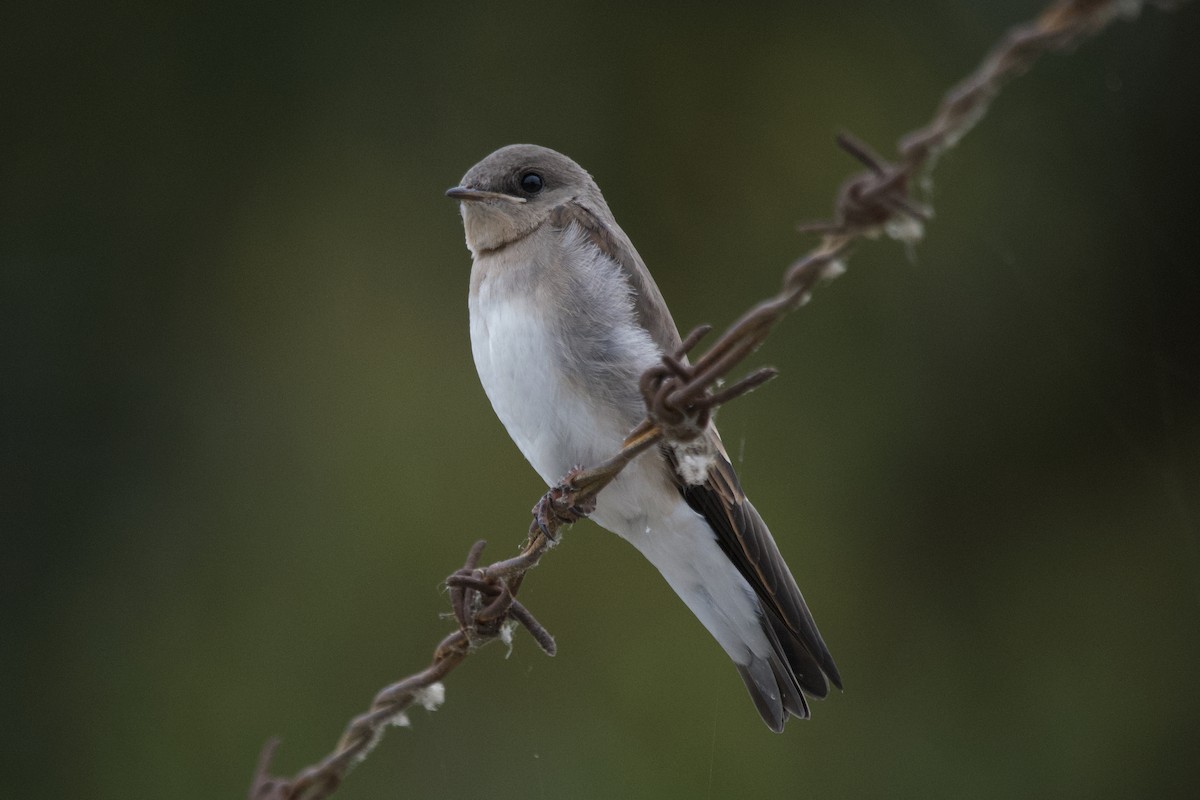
<point>777,683</point>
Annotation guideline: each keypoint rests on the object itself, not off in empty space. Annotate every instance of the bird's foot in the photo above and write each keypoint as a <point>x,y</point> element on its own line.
<point>561,506</point>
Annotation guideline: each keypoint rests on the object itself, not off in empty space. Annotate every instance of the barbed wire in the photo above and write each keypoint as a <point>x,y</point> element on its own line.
<point>681,396</point>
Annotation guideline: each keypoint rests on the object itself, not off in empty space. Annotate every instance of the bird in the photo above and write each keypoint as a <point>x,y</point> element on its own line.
<point>564,319</point>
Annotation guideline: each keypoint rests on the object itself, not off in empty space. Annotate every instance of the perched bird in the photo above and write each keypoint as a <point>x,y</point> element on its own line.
<point>565,318</point>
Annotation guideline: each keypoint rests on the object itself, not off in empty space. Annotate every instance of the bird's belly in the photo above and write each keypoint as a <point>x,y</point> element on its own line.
<point>558,427</point>
<point>555,424</point>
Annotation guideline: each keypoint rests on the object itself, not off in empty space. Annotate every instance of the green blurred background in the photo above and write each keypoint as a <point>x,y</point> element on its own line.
<point>243,440</point>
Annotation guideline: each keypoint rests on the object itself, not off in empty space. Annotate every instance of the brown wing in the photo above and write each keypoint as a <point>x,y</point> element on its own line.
<point>740,531</point>
<point>745,539</point>
<point>651,309</point>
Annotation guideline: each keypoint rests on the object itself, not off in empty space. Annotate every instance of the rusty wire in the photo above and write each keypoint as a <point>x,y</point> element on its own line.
<point>680,396</point>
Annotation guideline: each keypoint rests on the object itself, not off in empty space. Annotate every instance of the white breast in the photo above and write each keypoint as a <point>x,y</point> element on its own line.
<point>555,427</point>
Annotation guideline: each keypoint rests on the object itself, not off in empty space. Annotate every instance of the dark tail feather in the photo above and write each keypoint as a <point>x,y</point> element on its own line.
<point>763,685</point>
<point>774,691</point>
<point>809,673</point>
<point>777,684</point>
<point>793,699</point>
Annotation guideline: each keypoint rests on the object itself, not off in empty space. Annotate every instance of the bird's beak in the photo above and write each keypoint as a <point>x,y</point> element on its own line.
<point>465,194</point>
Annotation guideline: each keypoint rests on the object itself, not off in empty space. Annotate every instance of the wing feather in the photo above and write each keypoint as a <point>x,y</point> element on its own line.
<point>745,539</point>
<point>648,304</point>
<point>740,531</point>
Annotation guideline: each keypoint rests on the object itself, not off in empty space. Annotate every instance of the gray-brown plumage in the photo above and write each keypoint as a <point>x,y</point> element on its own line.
<point>564,319</point>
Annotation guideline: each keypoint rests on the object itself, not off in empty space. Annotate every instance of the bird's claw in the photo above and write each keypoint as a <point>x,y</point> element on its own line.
<point>561,506</point>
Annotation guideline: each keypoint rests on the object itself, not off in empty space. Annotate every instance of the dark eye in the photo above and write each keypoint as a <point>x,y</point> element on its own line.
<point>531,183</point>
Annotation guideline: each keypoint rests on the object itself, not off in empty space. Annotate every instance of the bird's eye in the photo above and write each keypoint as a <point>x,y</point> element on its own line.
<point>531,183</point>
